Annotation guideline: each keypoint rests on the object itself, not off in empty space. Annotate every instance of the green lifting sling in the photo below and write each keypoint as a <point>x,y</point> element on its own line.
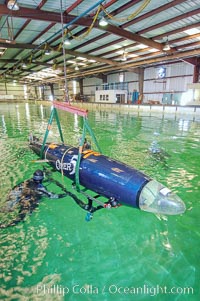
<point>86,127</point>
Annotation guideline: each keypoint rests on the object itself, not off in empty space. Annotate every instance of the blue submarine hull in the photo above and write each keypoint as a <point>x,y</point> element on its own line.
<point>111,179</point>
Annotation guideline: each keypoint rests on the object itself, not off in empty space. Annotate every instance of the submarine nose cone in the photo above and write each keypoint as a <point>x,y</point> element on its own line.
<point>157,198</point>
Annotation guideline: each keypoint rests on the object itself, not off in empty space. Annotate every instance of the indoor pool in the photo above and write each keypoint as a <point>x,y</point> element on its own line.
<point>121,254</point>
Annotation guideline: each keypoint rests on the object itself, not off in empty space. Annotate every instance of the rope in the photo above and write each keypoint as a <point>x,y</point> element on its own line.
<point>85,127</point>
<point>45,155</point>
<point>89,29</point>
<point>63,159</point>
<point>64,53</point>
<point>79,158</point>
<point>131,16</point>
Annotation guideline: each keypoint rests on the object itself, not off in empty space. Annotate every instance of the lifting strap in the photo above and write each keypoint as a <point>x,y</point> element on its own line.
<point>86,127</point>
<point>54,113</point>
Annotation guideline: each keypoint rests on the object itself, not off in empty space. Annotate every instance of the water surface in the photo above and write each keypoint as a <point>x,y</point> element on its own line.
<point>122,254</point>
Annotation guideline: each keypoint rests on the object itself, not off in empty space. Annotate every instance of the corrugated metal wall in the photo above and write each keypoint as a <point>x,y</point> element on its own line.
<point>178,76</point>
<point>11,89</point>
<point>176,80</point>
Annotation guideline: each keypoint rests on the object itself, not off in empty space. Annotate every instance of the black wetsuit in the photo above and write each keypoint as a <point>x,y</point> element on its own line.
<point>26,196</point>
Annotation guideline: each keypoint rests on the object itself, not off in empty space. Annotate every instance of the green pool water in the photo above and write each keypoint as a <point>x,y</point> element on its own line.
<point>122,254</point>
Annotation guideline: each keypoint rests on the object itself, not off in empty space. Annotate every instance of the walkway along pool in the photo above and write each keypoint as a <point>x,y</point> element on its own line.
<point>122,254</point>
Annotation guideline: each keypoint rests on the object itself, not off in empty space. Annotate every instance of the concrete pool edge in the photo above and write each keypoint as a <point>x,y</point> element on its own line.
<point>185,111</point>
<point>192,111</point>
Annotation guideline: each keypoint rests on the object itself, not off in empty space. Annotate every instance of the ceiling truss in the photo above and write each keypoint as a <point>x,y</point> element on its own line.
<point>100,53</point>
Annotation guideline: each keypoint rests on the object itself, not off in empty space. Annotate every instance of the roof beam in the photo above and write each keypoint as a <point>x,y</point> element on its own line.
<point>73,6</point>
<point>148,62</point>
<point>153,12</point>
<point>71,52</point>
<point>178,30</point>
<point>55,17</point>
<point>14,61</point>
<point>132,36</point>
<point>172,20</point>
<point>195,61</point>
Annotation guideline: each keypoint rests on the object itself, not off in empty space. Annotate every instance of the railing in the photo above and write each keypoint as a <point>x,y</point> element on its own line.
<point>113,86</point>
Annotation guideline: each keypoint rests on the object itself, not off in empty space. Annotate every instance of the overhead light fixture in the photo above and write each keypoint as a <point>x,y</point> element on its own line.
<point>24,65</point>
<point>7,41</point>
<point>132,55</point>
<point>71,61</point>
<point>103,22</point>
<point>153,50</point>
<point>124,56</point>
<point>12,4</point>
<point>47,52</point>
<point>166,46</point>
<point>67,41</point>
<point>2,50</point>
<point>82,64</point>
<point>81,58</point>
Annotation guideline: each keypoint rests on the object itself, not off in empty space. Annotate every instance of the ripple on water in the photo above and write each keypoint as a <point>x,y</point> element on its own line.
<point>125,246</point>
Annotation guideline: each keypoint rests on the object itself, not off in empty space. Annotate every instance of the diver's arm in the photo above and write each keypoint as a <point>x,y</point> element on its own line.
<point>49,194</point>
<point>56,196</point>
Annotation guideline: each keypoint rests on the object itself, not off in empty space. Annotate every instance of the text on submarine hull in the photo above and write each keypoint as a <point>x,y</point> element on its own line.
<point>112,179</point>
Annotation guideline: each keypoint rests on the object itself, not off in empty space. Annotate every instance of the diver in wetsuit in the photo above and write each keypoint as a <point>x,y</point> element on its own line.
<point>158,154</point>
<point>27,196</point>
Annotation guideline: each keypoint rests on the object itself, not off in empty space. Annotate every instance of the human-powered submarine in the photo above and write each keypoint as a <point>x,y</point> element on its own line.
<point>119,183</point>
<point>114,180</point>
